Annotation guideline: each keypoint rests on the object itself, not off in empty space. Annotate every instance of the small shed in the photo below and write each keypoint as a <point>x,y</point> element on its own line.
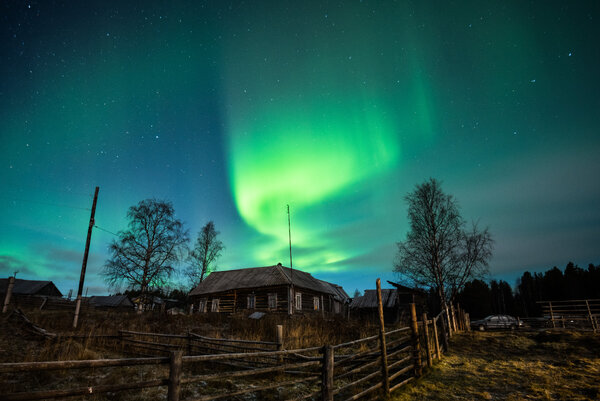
<point>121,302</point>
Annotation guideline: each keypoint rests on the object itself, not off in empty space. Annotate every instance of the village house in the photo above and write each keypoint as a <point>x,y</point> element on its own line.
<point>396,303</point>
<point>111,302</point>
<point>30,288</point>
<point>271,288</point>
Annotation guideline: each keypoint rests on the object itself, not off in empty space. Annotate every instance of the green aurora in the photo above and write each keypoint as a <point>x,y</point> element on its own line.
<point>234,110</point>
<point>307,126</point>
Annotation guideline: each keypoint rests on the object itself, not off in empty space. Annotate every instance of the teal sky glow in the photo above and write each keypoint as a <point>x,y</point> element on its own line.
<point>233,110</point>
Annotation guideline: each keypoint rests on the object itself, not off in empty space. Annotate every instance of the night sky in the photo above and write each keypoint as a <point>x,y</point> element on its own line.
<point>231,110</point>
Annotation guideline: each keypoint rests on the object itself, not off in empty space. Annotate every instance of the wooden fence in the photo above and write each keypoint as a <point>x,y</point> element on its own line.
<point>369,366</point>
<point>575,314</point>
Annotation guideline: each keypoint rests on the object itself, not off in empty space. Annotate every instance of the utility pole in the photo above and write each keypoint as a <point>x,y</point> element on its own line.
<point>85,258</point>
<point>291,266</point>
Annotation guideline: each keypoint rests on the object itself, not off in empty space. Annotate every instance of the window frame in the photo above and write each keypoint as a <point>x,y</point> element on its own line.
<point>298,301</point>
<point>202,304</point>
<point>251,301</point>
<point>272,301</point>
<point>214,305</point>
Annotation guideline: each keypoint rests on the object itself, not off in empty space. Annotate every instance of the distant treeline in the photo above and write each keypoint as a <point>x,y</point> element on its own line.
<point>481,299</point>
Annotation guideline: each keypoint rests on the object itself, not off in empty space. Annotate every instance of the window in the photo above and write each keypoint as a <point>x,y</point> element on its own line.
<point>316,303</point>
<point>298,301</point>
<point>273,301</point>
<point>336,307</point>
<point>202,305</point>
<point>214,307</point>
<point>251,301</point>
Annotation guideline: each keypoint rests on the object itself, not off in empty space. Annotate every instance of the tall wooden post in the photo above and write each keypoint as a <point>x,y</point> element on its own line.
<point>189,342</point>
<point>85,258</point>
<point>414,325</point>
<point>552,315</point>
<point>175,365</point>
<point>436,340</point>
<point>327,374</point>
<point>449,331</point>
<point>590,315</point>
<point>279,335</point>
<point>384,366</point>
<point>9,290</point>
<point>445,334</point>
<point>427,342</point>
<point>453,318</point>
<point>468,322</point>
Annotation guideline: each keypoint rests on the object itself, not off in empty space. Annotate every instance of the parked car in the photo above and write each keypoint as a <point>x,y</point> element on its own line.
<point>496,322</point>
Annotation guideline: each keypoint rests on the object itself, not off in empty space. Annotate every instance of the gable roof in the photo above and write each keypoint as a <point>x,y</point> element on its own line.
<point>340,294</point>
<point>29,287</point>
<point>266,276</point>
<point>110,301</point>
<point>389,299</point>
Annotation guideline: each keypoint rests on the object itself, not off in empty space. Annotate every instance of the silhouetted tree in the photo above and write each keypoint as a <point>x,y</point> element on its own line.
<point>438,252</point>
<point>145,253</point>
<point>476,299</point>
<point>204,256</point>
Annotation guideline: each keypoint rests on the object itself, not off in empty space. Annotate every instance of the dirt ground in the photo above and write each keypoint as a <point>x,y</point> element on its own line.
<point>547,365</point>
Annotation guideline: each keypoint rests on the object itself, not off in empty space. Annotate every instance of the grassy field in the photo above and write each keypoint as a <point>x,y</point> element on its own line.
<point>513,366</point>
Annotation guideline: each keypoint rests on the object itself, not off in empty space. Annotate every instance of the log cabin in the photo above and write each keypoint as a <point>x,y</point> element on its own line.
<point>276,289</point>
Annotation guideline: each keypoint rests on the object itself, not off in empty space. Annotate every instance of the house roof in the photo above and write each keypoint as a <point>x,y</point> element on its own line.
<point>27,287</point>
<point>389,299</point>
<point>340,294</point>
<point>402,289</point>
<point>266,276</point>
<point>112,301</point>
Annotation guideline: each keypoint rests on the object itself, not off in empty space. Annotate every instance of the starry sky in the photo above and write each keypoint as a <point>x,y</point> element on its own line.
<point>232,110</point>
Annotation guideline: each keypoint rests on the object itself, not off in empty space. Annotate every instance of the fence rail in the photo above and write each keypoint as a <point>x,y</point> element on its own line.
<point>348,371</point>
<point>579,313</point>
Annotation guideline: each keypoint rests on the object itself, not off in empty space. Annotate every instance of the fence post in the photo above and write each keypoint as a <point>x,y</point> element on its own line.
<point>414,325</point>
<point>327,373</point>
<point>453,313</point>
<point>427,343</point>
<point>552,314</point>
<point>468,321</point>
<point>448,330</point>
<point>279,333</point>
<point>9,290</point>
<point>590,315</point>
<point>189,342</point>
<point>436,341</point>
<point>384,366</point>
<point>444,332</point>
<point>175,375</point>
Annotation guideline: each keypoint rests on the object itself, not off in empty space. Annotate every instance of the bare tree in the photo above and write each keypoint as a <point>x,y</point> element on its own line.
<point>145,253</point>
<point>437,252</point>
<point>205,254</point>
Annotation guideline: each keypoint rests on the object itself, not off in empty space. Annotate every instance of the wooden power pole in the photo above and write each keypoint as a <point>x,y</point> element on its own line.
<point>85,258</point>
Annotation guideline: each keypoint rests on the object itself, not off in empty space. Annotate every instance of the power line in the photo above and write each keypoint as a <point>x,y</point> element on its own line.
<point>105,230</point>
<point>46,203</point>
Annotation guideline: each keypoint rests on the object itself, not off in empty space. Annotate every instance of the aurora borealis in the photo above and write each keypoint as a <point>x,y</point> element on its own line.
<point>233,110</point>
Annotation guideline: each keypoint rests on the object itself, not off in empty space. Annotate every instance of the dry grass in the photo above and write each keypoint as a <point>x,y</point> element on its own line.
<point>513,366</point>
<point>16,345</point>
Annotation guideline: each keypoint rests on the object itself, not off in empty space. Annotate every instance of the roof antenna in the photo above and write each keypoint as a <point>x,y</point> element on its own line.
<point>290,238</point>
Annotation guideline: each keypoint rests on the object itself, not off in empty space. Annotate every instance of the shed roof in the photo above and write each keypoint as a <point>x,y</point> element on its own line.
<point>111,301</point>
<point>27,287</point>
<point>266,276</point>
<point>389,299</point>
